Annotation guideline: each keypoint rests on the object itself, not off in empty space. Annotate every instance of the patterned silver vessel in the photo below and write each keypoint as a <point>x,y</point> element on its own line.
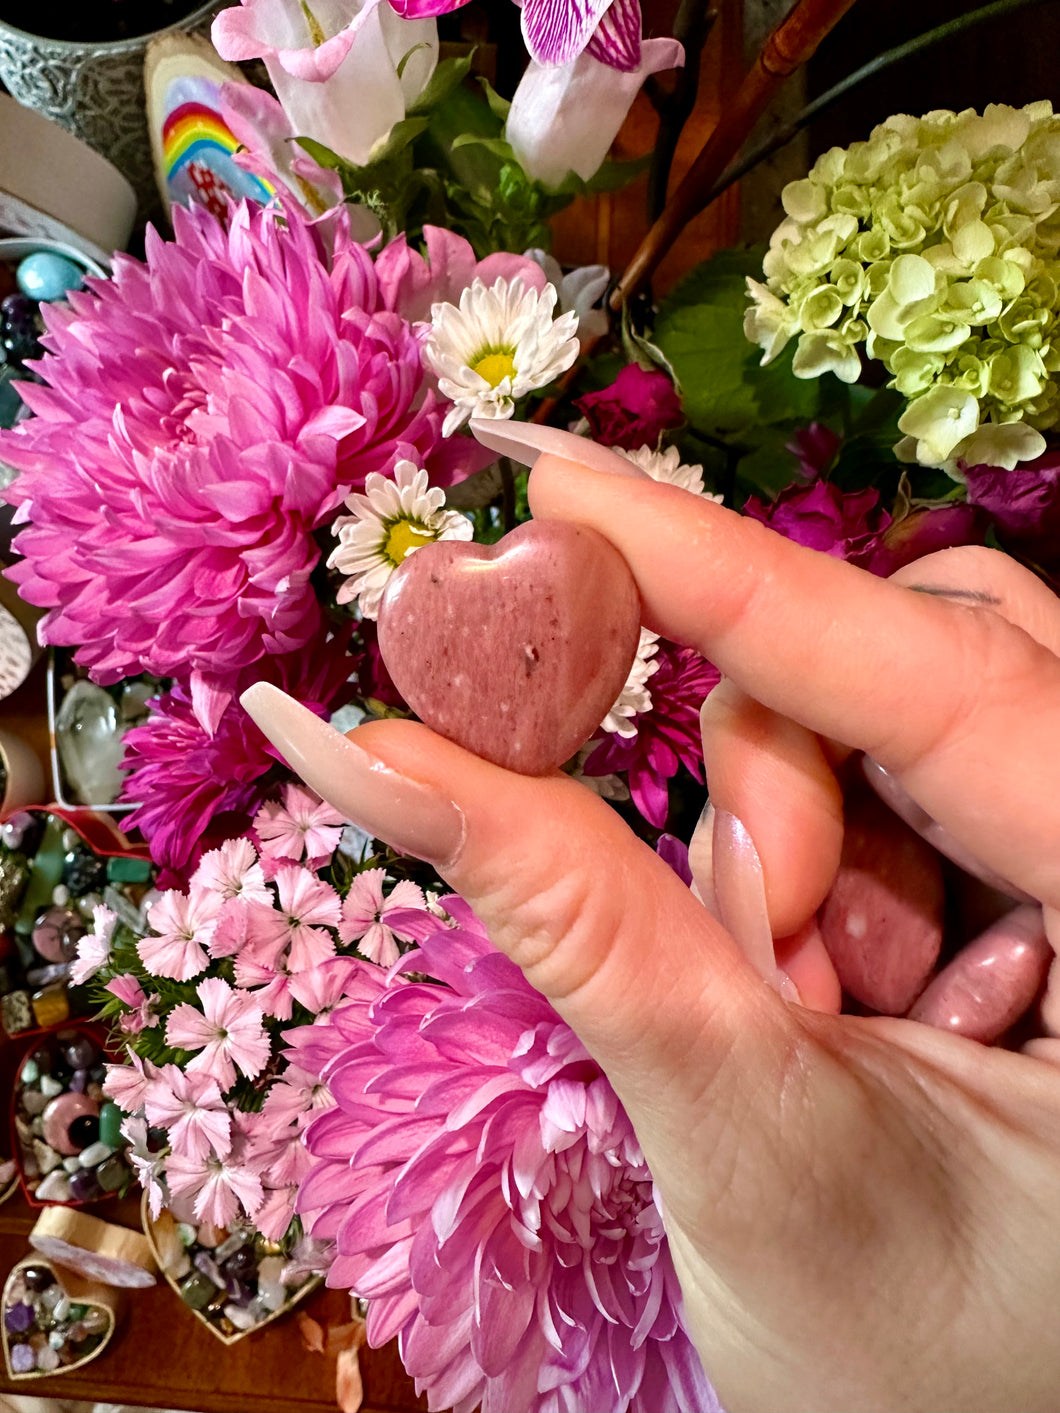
<point>95,91</point>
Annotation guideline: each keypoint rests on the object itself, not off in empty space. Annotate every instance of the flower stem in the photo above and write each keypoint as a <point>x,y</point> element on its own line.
<point>786,49</point>
<point>831,96</point>
<point>692,27</point>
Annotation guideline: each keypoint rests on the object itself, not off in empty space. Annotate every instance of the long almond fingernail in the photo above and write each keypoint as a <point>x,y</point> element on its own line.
<point>740,894</point>
<point>407,814</point>
<point>526,441</point>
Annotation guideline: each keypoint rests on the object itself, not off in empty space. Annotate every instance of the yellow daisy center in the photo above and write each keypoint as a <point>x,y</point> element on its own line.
<point>495,366</point>
<point>402,536</point>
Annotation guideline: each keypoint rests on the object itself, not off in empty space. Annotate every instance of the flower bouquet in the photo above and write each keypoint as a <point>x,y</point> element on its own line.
<point>237,441</point>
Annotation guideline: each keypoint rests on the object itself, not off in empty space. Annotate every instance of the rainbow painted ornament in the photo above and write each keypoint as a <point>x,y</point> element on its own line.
<point>192,144</point>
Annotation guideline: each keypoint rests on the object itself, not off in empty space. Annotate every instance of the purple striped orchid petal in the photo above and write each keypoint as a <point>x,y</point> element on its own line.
<point>557,31</point>
<point>564,118</point>
<point>425,9</point>
<point>616,41</point>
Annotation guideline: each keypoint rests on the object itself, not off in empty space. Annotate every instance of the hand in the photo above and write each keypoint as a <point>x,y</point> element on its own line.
<point>862,1211</point>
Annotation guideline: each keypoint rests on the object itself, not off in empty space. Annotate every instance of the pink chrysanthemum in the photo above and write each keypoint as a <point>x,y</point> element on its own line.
<point>207,411</point>
<point>666,737</point>
<point>489,1198</point>
<point>184,776</point>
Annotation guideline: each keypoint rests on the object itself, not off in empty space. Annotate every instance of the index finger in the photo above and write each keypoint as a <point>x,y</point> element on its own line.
<point>955,700</point>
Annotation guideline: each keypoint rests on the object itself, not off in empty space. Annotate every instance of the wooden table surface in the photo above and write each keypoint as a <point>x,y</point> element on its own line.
<point>162,1356</point>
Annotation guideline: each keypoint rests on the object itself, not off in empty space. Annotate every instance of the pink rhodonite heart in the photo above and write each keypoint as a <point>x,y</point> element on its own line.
<point>515,650</point>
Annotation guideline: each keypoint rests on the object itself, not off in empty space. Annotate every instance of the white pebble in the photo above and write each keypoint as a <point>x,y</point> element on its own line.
<point>50,1086</point>
<point>95,1153</point>
<point>273,1297</point>
<point>54,1188</point>
<point>60,895</point>
<point>240,1317</point>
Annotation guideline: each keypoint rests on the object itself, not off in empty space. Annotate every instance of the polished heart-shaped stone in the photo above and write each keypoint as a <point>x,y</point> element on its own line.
<point>517,650</point>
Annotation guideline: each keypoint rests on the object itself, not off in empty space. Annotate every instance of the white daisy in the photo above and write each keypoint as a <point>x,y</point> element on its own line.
<point>390,520</point>
<point>497,345</point>
<point>667,466</point>
<point>634,697</point>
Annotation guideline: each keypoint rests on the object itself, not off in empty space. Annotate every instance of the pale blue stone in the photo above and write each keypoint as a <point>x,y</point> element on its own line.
<point>47,276</point>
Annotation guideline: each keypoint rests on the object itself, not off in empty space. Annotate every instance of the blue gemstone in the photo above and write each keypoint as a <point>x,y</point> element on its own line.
<point>47,276</point>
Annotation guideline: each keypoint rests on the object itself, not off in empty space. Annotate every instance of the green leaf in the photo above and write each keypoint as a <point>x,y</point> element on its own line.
<point>869,460</point>
<point>447,76</point>
<point>719,280</point>
<point>322,155</point>
<point>406,57</point>
<point>610,176</point>
<point>768,467</point>
<point>399,137</point>
<point>724,388</point>
<point>499,106</point>
<point>496,145</point>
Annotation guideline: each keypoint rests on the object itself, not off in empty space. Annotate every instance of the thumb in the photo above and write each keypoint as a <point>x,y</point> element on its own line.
<point>651,983</point>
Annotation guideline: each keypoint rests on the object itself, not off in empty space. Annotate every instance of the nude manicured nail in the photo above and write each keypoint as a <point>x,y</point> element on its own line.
<point>526,441</point>
<point>740,894</point>
<point>895,796</point>
<point>409,815</point>
<point>701,860</point>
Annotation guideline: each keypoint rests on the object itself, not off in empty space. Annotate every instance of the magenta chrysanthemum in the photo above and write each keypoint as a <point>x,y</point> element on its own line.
<point>207,411</point>
<point>666,737</point>
<point>489,1198</point>
<point>183,777</point>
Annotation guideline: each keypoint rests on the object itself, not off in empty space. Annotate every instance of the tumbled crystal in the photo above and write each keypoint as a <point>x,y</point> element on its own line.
<point>111,1174</point>
<point>23,1359</point>
<point>94,1321</point>
<point>197,1290</point>
<point>205,1263</point>
<point>47,1359</point>
<point>18,1317</point>
<point>79,1050</point>
<point>88,737</point>
<point>84,1185</point>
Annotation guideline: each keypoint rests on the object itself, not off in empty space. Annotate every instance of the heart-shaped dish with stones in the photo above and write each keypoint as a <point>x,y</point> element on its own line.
<point>229,1279</point>
<point>53,1320</point>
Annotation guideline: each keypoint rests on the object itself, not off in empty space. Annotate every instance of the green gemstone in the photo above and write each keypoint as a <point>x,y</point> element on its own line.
<point>128,870</point>
<point>45,871</point>
<point>110,1125</point>
<point>197,1291</point>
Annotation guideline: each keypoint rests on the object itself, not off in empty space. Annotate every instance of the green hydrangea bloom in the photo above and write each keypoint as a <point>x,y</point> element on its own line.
<point>935,247</point>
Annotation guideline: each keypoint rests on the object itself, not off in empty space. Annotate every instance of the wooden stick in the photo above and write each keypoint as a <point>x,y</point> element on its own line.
<point>786,49</point>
